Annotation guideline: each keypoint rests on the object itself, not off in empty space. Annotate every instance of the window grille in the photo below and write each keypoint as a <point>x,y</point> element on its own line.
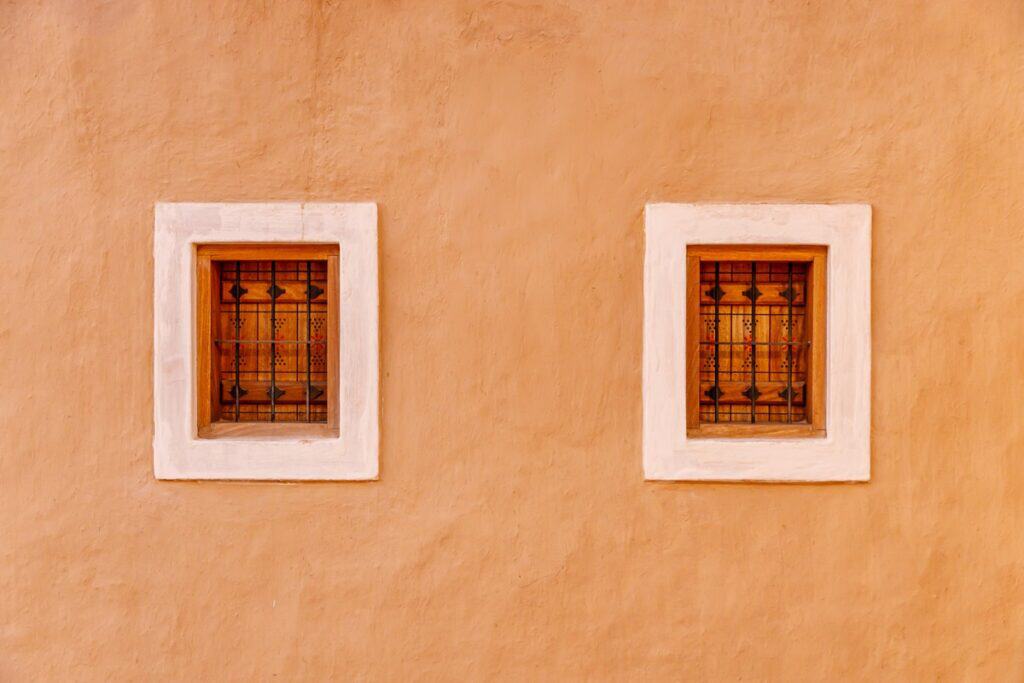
<point>753,347</point>
<point>272,341</point>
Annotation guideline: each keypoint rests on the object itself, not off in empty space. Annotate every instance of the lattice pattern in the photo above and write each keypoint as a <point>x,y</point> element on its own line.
<point>754,342</point>
<point>272,341</point>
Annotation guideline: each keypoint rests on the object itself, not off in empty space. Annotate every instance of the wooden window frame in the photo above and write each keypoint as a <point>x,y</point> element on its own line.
<point>816,257</point>
<point>207,259</point>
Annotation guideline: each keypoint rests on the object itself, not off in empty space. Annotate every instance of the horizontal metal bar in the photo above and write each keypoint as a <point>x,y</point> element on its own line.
<point>269,341</point>
<point>746,343</point>
<point>291,391</point>
<point>731,392</point>
<point>732,294</point>
<point>295,292</point>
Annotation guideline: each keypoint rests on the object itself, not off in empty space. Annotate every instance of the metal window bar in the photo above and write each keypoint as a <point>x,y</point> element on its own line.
<point>708,343</point>
<point>309,343</point>
<point>238,323</point>
<point>789,349</point>
<point>260,341</point>
<point>717,348</point>
<point>753,339</point>
<point>273,346</point>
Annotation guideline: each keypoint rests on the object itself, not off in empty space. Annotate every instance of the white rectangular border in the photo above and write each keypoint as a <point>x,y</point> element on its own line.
<point>844,454</point>
<point>178,453</point>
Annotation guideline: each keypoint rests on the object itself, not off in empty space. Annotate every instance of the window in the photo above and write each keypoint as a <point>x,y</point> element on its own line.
<point>266,323</point>
<point>265,341</point>
<point>757,342</point>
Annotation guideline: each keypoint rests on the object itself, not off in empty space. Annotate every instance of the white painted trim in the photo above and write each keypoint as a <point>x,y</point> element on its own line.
<point>178,453</point>
<point>844,454</point>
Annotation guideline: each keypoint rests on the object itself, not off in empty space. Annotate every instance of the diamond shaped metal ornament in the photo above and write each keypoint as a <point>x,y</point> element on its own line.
<point>752,393</point>
<point>274,291</point>
<point>237,392</point>
<point>315,393</point>
<point>313,292</point>
<point>789,294</point>
<point>237,291</point>
<point>713,393</point>
<point>752,293</point>
<point>275,392</point>
<point>787,393</point>
<point>716,293</point>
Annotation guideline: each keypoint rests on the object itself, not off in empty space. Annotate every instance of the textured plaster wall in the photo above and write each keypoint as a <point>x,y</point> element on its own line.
<point>511,146</point>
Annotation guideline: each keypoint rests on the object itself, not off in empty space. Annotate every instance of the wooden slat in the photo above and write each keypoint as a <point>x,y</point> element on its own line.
<point>771,294</point>
<point>256,392</point>
<point>756,431</point>
<point>206,408</point>
<point>732,392</point>
<point>333,340</point>
<point>264,252</point>
<point>693,347</point>
<point>755,252</point>
<point>816,362</point>
<point>212,322</point>
<point>267,430</point>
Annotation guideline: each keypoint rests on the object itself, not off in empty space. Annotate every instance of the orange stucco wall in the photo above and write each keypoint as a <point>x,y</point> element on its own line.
<point>511,146</point>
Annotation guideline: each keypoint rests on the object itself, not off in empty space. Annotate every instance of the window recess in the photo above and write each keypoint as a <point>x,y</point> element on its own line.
<point>755,341</point>
<point>267,340</point>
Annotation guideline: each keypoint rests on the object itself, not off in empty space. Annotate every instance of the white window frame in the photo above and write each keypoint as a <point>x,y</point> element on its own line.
<point>844,453</point>
<point>178,452</point>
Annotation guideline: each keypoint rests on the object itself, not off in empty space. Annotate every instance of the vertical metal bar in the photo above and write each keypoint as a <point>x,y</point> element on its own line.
<point>717,348</point>
<point>273,346</point>
<point>753,341</point>
<point>238,324</point>
<point>309,343</point>
<point>789,348</point>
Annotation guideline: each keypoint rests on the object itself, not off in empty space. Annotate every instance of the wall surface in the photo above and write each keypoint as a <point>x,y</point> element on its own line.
<point>511,147</point>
